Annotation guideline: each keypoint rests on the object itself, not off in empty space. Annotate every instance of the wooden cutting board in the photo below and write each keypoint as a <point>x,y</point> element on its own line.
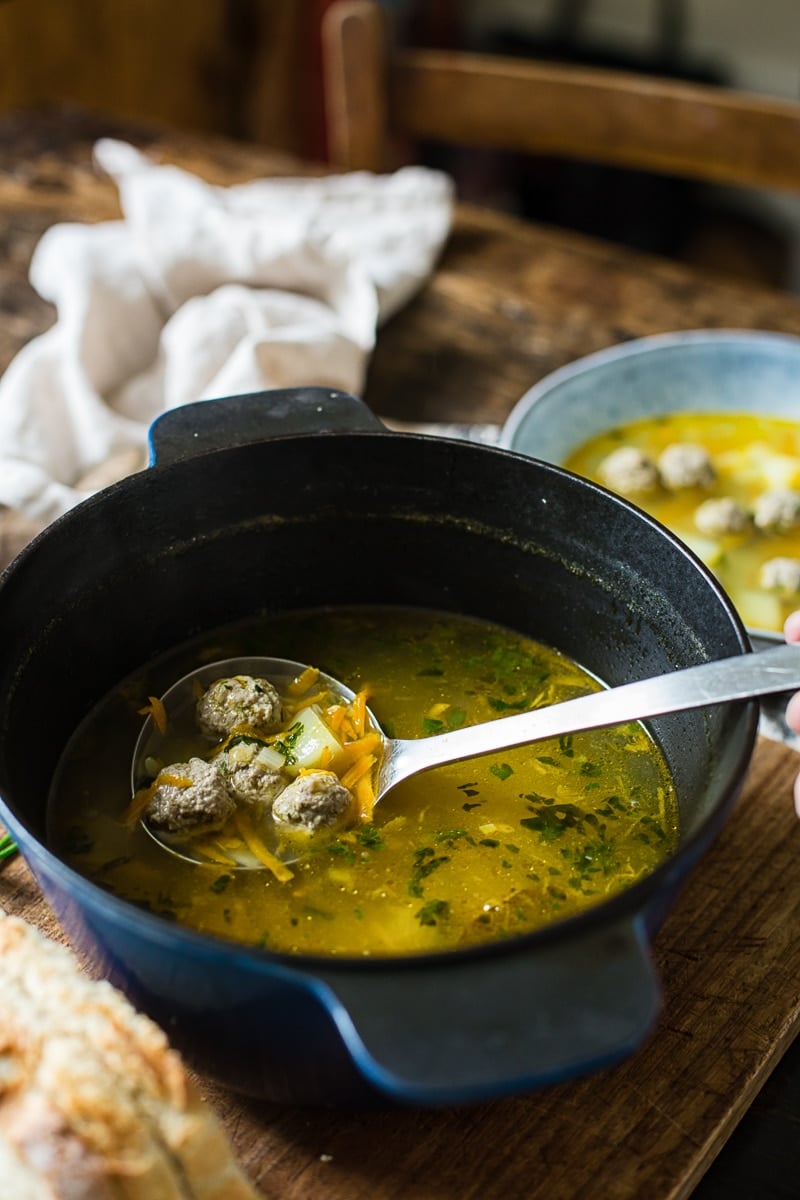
<point>729,958</point>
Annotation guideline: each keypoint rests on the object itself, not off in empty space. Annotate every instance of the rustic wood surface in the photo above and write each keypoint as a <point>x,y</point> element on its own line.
<point>508,304</point>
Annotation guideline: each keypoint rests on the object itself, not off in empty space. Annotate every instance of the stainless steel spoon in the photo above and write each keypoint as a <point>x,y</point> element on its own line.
<point>742,677</point>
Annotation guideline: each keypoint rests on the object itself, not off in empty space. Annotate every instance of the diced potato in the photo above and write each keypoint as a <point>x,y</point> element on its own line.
<point>242,752</point>
<point>707,549</point>
<point>317,745</point>
<point>270,758</point>
<point>761,467</point>
<point>760,610</point>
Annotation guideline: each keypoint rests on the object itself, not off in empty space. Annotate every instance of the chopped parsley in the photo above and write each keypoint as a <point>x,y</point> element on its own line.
<point>426,861</point>
<point>552,821</point>
<point>432,912</point>
<point>431,725</point>
<point>285,745</point>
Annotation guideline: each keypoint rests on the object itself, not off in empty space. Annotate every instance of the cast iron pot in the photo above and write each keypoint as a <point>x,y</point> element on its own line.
<point>250,503</point>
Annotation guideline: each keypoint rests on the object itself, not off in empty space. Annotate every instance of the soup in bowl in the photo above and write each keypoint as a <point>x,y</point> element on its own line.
<point>701,429</point>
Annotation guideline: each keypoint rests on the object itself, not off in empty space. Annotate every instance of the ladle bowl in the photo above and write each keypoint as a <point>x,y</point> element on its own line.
<point>155,748</point>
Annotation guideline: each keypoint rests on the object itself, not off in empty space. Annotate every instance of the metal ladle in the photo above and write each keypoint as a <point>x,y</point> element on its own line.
<point>741,677</point>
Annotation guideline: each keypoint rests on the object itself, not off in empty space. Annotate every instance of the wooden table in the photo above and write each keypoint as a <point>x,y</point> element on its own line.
<point>509,303</point>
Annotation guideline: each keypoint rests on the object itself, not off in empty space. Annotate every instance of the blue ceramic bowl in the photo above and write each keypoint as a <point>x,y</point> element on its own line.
<point>701,370</point>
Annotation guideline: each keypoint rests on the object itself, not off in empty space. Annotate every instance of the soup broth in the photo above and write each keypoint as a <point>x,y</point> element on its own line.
<point>474,851</point>
<point>751,456</point>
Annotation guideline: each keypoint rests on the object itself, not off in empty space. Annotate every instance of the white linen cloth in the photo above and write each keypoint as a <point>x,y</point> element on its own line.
<point>201,292</point>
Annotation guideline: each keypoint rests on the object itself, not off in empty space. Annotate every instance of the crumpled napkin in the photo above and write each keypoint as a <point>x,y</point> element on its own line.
<point>201,292</point>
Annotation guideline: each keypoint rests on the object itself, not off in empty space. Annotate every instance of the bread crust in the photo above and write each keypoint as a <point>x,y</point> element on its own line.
<point>94,1103</point>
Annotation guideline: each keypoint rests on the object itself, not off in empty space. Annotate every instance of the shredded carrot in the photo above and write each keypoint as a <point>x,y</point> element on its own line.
<point>358,708</point>
<point>362,766</point>
<point>303,682</point>
<point>334,716</point>
<point>215,853</point>
<point>257,848</point>
<point>155,709</point>
<point>368,744</point>
<point>138,804</point>
<point>364,793</point>
<point>347,730</point>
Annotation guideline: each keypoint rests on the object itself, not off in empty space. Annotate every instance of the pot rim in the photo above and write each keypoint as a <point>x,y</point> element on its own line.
<point>632,902</point>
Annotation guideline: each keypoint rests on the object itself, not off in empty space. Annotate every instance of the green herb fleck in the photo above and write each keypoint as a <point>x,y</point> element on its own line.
<point>590,768</point>
<point>426,862</point>
<point>553,821</point>
<point>450,836</point>
<point>433,911</point>
<point>245,739</point>
<point>506,705</point>
<point>343,851</point>
<point>286,744</point>
<point>220,883</point>
<point>501,770</point>
<point>371,837</point>
<point>77,841</point>
<point>310,911</point>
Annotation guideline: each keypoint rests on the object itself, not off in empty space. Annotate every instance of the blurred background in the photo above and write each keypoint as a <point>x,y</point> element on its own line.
<point>250,69</point>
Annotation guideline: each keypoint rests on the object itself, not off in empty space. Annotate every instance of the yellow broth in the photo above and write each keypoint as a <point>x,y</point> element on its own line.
<point>751,455</point>
<point>462,854</point>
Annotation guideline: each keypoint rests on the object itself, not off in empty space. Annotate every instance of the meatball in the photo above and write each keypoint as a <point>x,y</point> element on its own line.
<point>312,801</point>
<point>202,805</point>
<point>781,575</point>
<point>721,515</point>
<point>250,780</point>
<point>628,471</point>
<point>686,465</point>
<point>240,700</point>
<point>778,509</point>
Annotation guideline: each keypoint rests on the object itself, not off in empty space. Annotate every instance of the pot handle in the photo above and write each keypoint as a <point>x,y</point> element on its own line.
<point>205,425</point>
<point>450,1032</point>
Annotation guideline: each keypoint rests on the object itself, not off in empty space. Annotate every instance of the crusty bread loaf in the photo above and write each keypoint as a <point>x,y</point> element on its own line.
<point>94,1105</point>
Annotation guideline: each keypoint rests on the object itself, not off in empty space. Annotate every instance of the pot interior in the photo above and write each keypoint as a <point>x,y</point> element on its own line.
<point>357,518</point>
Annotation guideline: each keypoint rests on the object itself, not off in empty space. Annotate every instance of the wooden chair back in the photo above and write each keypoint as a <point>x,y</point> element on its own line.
<point>376,92</point>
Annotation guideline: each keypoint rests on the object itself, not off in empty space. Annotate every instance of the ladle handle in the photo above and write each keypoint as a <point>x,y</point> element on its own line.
<point>741,677</point>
